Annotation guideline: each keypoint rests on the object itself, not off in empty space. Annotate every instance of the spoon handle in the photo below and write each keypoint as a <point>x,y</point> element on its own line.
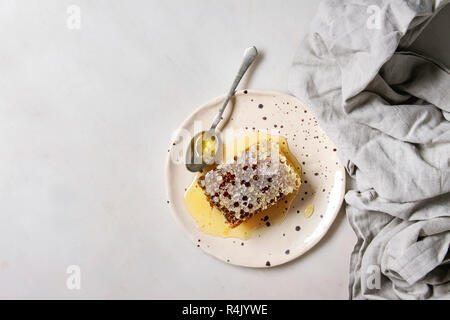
<point>249,56</point>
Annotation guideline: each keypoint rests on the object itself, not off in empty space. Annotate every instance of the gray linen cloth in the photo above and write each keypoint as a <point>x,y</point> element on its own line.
<point>388,111</point>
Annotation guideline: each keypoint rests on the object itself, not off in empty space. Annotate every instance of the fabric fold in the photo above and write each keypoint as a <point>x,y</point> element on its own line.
<point>387,109</point>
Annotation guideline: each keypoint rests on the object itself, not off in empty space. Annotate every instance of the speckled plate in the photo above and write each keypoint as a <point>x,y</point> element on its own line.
<point>323,178</point>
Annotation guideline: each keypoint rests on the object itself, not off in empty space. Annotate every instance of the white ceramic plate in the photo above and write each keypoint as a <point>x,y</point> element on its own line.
<point>323,178</point>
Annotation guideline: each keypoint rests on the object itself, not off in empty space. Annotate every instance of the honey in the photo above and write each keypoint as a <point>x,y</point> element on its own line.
<point>206,147</point>
<point>309,210</point>
<point>209,147</point>
<point>211,221</point>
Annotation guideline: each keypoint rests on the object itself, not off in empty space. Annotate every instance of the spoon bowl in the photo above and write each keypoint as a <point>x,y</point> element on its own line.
<point>203,150</point>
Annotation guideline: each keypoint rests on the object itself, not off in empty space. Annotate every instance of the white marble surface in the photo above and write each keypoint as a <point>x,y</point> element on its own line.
<point>85,121</point>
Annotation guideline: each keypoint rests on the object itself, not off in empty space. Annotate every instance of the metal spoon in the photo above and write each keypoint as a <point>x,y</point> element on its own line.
<point>196,159</point>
